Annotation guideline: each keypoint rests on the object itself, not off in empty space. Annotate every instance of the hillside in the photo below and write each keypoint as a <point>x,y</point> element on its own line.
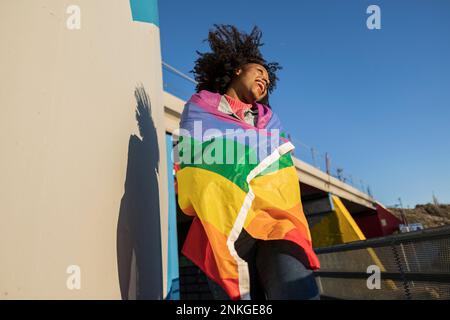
<point>429,215</point>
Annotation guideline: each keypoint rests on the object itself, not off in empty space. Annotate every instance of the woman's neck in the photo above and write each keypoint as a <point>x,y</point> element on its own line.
<point>232,93</point>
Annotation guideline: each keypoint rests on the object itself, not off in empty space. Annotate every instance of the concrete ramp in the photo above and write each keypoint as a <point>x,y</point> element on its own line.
<point>336,227</point>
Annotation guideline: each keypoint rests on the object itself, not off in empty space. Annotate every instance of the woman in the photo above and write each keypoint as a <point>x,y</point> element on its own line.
<point>249,234</point>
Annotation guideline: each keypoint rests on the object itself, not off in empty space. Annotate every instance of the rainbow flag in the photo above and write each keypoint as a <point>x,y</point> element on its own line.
<point>235,176</point>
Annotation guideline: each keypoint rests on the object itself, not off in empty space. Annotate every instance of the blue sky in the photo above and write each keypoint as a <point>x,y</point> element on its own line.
<point>378,101</point>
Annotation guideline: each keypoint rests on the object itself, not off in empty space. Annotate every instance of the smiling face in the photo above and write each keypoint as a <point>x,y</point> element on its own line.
<point>251,83</point>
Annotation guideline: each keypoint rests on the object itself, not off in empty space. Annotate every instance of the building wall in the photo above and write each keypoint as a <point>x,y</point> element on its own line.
<point>369,224</point>
<point>82,183</point>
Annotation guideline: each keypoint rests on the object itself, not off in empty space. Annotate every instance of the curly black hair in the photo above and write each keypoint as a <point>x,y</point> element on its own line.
<point>231,49</point>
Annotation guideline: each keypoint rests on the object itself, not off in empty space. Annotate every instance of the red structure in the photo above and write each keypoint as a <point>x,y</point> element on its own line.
<point>377,223</point>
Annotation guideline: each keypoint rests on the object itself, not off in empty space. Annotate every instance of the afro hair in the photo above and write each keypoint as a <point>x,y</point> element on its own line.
<point>231,49</point>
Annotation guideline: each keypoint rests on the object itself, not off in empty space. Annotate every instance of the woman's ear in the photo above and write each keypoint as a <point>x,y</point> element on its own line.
<point>237,71</point>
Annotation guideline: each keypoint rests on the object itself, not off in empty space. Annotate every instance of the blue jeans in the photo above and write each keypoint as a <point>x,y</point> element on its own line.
<point>276,273</point>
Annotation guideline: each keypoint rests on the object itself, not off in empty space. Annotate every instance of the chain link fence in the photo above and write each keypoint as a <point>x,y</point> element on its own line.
<point>413,266</point>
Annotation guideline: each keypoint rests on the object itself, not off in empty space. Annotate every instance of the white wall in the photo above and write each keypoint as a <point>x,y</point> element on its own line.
<point>67,120</point>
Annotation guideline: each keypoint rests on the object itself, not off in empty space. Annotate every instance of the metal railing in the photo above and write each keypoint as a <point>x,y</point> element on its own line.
<point>411,266</point>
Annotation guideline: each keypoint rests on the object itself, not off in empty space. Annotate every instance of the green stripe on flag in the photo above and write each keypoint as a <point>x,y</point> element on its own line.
<point>207,156</point>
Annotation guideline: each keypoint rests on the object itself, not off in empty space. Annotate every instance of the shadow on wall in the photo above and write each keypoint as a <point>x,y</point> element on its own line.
<point>138,230</point>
